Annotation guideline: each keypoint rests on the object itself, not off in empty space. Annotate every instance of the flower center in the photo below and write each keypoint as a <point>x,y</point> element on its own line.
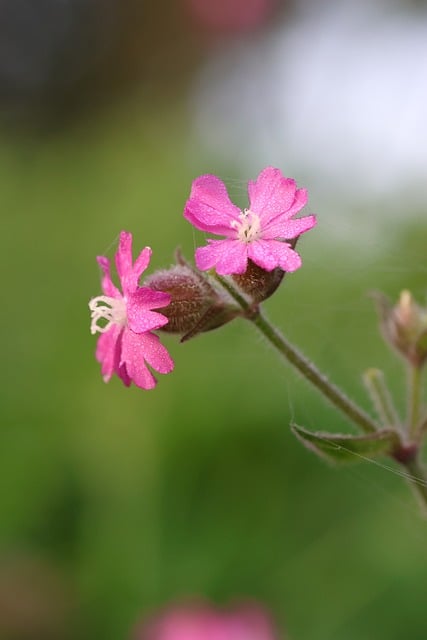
<point>105,312</point>
<point>249,229</point>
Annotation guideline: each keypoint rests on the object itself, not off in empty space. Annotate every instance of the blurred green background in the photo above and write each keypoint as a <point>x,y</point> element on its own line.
<point>117,501</point>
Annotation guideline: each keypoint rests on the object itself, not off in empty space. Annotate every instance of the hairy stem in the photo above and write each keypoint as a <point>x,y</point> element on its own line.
<point>381,398</point>
<point>418,482</point>
<point>417,475</point>
<point>414,401</point>
<point>309,371</point>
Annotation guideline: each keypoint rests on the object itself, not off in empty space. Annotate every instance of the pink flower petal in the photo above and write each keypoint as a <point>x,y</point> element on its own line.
<point>156,354</point>
<point>271,194</point>
<point>209,207</point>
<point>108,287</point>
<point>227,256</point>
<point>123,375</point>
<point>300,200</point>
<point>141,263</point>
<point>133,358</point>
<point>139,305</point>
<point>138,348</point>
<point>124,257</point>
<point>108,350</point>
<point>270,254</point>
<point>288,228</point>
<point>129,274</point>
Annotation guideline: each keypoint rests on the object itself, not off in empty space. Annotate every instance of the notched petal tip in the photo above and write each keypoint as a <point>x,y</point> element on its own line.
<point>125,238</point>
<point>209,207</point>
<point>142,262</point>
<point>207,182</point>
<point>103,262</point>
<point>124,254</point>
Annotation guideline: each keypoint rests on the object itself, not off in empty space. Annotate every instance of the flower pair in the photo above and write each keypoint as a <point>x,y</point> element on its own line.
<point>259,235</point>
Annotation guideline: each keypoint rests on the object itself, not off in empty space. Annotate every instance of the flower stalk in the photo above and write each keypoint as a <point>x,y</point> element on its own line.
<point>406,454</point>
<point>381,398</point>
<point>298,360</point>
<point>417,480</point>
<point>414,402</point>
<point>311,373</point>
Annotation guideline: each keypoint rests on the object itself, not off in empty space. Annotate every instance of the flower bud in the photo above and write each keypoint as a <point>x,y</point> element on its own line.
<point>404,326</point>
<point>196,305</point>
<point>257,283</point>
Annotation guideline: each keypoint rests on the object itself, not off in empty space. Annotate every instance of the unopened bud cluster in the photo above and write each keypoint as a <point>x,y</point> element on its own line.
<point>404,326</point>
<point>198,304</point>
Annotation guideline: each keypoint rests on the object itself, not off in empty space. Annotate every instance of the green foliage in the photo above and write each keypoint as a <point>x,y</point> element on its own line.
<point>346,448</point>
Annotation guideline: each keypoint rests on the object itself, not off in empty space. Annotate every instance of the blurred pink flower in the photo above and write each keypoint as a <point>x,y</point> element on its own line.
<point>204,623</point>
<point>126,320</point>
<point>259,233</point>
<point>230,15</point>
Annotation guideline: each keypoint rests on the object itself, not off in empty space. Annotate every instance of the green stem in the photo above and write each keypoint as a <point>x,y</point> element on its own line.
<point>314,376</point>
<point>417,475</point>
<point>414,401</point>
<point>418,481</point>
<point>300,362</point>
<point>381,398</point>
<point>233,292</point>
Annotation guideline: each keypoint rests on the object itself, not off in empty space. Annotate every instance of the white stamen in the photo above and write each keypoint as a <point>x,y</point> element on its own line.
<point>112,310</point>
<point>249,229</point>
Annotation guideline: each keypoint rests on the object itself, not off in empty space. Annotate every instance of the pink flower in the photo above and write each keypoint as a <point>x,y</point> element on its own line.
<point>126,320</point>
<point>231,15</point>
<point>259,233</point>
<point>204,623</point>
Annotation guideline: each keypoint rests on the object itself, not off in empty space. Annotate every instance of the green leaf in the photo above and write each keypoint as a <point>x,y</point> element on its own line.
<point>340,448</point>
